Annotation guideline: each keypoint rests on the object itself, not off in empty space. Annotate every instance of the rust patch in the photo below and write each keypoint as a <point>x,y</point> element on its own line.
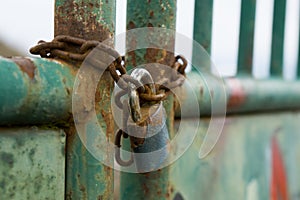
<point>71,19</point>
<point>237,95</point>
<point>131,57</point>
<point>108,118</point>
<point>131,25</point>
<point>151,13</point>
<point>145,188</point>
<point>26,65</point>
<point>100,197</point>
<point>201,90</point>
<point>150,25</point>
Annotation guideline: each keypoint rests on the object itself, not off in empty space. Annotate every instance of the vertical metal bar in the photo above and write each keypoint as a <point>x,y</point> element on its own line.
<point>278,37</point>
<point>152,185</point>
<point>86,177</point>
<point>298,62</point>
<point>246,39</point>
<point>203,23</point>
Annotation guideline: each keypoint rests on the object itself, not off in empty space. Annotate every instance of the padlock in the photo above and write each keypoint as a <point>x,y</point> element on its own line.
<point>147,127</point>
<point>144,123</point>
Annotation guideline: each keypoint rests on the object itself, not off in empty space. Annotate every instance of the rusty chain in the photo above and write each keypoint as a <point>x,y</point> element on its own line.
<point>73,49</point>
<point>70,48</point>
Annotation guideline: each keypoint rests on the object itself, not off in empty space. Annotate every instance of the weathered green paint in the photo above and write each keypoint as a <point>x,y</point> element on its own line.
<point>246,39</point>
<point>203,23</point>
<point>153,185</point>
<point>244,95</point>
<point>278,37</point>
<point>39,93</point>
<point>143,14</point>
<point>151,14</point>
<point>298,61</point>
<point>46,98</point>
<point>240,166</point>
<point>32,163</point>
<point>87,178</point>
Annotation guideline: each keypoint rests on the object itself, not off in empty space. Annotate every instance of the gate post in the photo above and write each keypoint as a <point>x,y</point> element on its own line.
<point>86,177</point>
<point>151,185</point>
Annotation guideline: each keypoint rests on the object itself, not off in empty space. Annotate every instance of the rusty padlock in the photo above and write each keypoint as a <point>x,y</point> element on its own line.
<point>147,126</point>
<point>144,122</point>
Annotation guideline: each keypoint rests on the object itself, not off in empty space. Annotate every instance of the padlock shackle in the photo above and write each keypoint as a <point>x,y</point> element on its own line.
<point>119,160</point>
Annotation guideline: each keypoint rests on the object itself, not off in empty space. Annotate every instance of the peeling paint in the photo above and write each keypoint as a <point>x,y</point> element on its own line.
<point>34,169</point>
<point>37,96</point>
<point>237,95</point>
<point>72,18</point>
<point>87,178</point>
<point>153,185</point>
<point>26,65</point>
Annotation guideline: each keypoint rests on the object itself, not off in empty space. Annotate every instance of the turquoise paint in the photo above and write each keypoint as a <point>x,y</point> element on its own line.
<point>203,23</point>
<point>87,177</point>
<point>153,185</point>
<point>246,38</point>
<point>32,163</point>
<point>44,99</point>
<point>278,38</point>
<point>241,161</point>
<point>244,95</point>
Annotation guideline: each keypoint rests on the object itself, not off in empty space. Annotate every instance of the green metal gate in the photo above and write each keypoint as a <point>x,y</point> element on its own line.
<point>42,156</point>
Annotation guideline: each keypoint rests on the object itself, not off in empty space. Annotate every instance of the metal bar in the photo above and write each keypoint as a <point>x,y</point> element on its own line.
<point>29,96</point>
<point>246,40</point>
<point>203,23</point>
<point>278,37</point>
<point>87,178</point>
<point>152,185</point>
<point>151,14</point>
<point>34,91</point>
<point>244,95</point>
<point>298,62</point>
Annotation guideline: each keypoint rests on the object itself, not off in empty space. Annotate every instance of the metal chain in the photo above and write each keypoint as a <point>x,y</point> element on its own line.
<point>70,48</point>
<point>73,49</point>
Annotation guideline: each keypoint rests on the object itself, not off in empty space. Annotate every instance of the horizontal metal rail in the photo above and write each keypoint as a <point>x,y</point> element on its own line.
<point>244,94</point>
<point>39,91</point>
<point>34,91</point>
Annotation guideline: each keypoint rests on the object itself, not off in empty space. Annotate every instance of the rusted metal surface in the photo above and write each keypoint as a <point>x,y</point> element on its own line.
<point>39,100</point>
<point>32,163</point>
<point>90,20</point>
<point>34,91</point>
<point>152,185</point>
<point>26,65</point>
<point>245,164</point>
<point>86,177</point>
<point>151,14</point>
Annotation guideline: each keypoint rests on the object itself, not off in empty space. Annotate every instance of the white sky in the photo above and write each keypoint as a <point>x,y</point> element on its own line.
<point>24,22</point>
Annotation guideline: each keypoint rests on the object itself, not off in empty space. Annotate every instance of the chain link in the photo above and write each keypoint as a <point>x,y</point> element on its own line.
<point>72,49</point>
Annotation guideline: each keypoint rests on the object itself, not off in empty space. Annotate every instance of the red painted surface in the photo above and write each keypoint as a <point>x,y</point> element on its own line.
<point>278,185</point>
<point>237,94</point>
